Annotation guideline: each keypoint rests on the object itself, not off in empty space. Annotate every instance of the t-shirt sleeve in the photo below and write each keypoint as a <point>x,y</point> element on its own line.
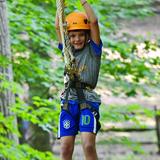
<point>97,48</point>
<point>60,46</point>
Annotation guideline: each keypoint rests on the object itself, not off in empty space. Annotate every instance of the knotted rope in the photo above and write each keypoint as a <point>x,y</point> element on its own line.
<point>69,59</point>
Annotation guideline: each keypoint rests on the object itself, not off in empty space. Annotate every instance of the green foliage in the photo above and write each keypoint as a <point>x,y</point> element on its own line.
<point>33,29</point>
<point>4,61</point>
<point>7,85</point>
<point>32,35</point>
<point>125,141</point>
<point>8,149</point>
<point>118,113</point>
<point>45,115</point>
<point>38,73</point>
<point>133,114</point>
<point>130,71</point>
<point>42,112</point>
<point>120,9</point>
<point>32,44</point>
<point>6,125</point>
<point>15,152</point>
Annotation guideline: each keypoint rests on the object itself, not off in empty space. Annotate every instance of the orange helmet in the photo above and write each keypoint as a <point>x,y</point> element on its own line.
<point>77,21</point>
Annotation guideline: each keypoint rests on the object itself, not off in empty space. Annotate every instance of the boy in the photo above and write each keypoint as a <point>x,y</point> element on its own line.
<point>80,104</point>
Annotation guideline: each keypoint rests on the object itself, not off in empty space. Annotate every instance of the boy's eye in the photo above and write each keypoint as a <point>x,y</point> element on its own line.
<point>82,34</point>
<point>71,36</point>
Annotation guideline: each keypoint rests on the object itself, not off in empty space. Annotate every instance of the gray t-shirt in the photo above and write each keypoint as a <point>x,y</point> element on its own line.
<point>88,64</point>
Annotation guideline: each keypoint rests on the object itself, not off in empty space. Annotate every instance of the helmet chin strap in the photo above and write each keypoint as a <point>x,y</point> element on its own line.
<point>86,37</point>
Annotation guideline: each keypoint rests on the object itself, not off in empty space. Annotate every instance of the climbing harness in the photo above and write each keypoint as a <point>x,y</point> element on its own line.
<point>78,86</point>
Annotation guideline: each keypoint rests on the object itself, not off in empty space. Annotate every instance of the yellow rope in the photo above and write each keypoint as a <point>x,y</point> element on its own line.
<point>69,59</point>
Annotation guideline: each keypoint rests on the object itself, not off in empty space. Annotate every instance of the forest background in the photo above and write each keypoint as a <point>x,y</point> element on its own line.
<point>130,67</point>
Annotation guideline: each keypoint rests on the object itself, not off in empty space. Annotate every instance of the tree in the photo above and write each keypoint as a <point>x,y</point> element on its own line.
<point>6,74</point>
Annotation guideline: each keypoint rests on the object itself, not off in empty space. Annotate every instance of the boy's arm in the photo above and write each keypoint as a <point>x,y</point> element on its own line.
<point>95,33</point>
<point>57,28</point>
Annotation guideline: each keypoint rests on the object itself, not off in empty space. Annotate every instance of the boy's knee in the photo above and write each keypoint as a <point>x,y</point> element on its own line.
<point>66,149</point>
<point>89,148</point>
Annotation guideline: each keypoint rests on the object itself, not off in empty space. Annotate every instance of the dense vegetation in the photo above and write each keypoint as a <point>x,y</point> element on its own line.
<point>36,62</point>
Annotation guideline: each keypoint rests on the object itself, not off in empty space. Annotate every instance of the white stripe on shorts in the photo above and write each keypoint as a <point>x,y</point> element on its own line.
<point>59,128</point>
<point>95,125</point>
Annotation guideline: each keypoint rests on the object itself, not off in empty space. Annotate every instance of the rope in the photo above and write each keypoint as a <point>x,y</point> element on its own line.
<point>69,59</point>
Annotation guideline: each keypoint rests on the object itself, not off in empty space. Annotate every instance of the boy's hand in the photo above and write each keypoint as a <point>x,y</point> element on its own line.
<point>83,2</point>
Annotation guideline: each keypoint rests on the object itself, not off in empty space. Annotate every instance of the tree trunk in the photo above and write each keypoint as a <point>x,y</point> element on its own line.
<point>157,119</point>
<point>6,96</point>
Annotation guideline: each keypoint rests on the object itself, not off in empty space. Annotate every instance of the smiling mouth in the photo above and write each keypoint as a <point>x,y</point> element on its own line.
<point>78,47</point>
<point>78,43</point>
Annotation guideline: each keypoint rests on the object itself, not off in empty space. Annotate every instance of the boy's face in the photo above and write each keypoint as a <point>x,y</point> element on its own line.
<point>77,39</point>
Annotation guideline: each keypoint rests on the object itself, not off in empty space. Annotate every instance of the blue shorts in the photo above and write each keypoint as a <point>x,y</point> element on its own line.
<point>74,120</point>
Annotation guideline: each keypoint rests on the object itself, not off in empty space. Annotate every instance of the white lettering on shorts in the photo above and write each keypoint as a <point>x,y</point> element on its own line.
<point>66,124</point>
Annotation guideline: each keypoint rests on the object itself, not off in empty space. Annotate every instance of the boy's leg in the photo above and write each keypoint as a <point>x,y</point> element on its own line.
<point>68,129</point>
<point>89,126</point>
<point>89,146</point>
<point>67,147</point>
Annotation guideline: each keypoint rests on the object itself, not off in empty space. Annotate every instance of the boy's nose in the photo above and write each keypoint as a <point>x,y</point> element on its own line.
<point>77,38</point>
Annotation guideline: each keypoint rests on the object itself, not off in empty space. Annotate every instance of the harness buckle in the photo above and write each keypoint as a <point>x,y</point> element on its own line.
<point>83,106</point>
<point>65,106</point>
